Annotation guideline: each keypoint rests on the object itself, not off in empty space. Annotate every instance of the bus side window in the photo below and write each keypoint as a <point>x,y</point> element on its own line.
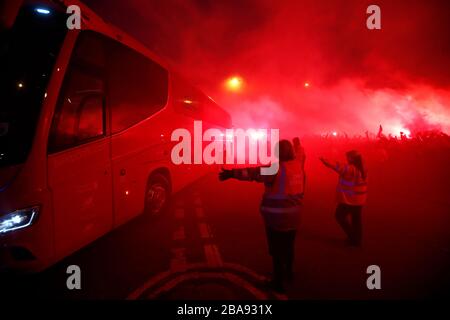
<point>137,86</point>
<point>187,99</point>
<point>80,113</point>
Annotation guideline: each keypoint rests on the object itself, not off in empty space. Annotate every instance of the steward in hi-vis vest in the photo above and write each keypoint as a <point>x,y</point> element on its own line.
<point>351,194</point>
<point>352,187</point>
<point>280,208</point>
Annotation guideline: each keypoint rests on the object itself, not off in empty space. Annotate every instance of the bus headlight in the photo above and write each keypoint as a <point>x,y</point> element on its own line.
<point>18,219</point>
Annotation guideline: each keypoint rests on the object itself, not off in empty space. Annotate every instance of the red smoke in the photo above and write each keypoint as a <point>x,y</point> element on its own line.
<point>398,76</point>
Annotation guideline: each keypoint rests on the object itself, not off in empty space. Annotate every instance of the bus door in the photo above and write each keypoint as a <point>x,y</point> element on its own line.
<point>79,164</point>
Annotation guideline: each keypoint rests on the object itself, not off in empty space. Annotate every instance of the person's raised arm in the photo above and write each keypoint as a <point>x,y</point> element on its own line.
<point>326,162</point>
<point>334,166</point>
<point>245,174</point>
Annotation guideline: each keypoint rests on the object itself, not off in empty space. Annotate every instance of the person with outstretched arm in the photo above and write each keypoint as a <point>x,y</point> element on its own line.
<point>351,194</point>
<point>280,209</point>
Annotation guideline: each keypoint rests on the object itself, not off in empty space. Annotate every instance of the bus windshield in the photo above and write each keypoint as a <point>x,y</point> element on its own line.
<point>28,52</point>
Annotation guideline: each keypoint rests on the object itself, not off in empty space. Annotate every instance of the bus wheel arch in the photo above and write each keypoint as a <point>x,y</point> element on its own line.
<point>157,192</point>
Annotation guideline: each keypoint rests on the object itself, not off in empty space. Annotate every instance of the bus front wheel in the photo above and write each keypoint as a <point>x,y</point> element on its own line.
<point>157,195</point>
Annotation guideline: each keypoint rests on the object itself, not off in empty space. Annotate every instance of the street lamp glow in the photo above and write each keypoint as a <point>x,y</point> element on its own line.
<point>234,83</point>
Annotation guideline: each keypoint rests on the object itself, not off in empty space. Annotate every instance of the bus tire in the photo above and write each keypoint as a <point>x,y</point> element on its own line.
<point>157,195</point>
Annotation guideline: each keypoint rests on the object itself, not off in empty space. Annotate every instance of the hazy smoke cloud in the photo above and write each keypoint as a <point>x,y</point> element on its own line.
<point>398,76</point>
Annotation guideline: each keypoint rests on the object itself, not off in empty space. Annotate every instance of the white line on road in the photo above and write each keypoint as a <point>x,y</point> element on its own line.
<point>179,234</point>
<point>199,213</point>
<point>178,261</point>
<point>198,202</point>
<point>179,213</point>
<point>179,264</point>
<point>179,203</point>
<point>213,258</point>
<point>204,231</point>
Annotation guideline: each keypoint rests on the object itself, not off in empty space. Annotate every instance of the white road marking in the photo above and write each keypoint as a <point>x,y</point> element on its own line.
<point>179,213</point>
<point>204,231</point>
<point>213,258</point>
<point>198,202</point>
<point>179,234</point>
<point>179,203</point>
<point>236,280</point>
<point>199,213</point>
<point>178,260</point>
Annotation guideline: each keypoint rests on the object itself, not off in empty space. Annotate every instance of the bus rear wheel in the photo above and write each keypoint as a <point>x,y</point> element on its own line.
<point>157,195</point>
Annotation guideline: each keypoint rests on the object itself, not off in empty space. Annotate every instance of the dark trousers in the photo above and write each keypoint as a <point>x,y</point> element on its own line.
<point>281,248</point>
<point>352,227</point>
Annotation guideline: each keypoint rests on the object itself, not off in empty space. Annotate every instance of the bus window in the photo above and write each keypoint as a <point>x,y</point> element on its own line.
<point>187,99</point>
<point>137,87</point>
<point>79,115</point>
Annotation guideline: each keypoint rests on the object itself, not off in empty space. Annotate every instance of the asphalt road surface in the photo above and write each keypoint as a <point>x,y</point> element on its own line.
<point>212,223</point>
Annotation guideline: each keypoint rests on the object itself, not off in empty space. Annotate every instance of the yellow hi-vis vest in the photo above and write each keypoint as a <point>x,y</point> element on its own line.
<point>281,202</point>
<point>351,188</point>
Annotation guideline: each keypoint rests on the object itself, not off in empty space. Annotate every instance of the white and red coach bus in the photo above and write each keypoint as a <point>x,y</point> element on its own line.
<point>85,123</point>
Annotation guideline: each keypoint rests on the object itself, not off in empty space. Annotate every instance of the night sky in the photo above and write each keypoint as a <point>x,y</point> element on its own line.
<point>398,76</point>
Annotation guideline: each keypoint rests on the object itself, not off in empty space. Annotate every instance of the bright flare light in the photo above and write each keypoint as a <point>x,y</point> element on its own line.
<point>335,133</point>
<point>405,131</point>
<point>306,84</point>
<point>234,83</point>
